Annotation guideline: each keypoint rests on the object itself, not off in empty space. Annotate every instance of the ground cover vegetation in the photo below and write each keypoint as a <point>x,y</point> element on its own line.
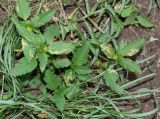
<point>56,64</point>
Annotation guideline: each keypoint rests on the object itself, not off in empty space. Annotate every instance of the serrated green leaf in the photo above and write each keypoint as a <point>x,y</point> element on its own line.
<point>50,32</point>
<point>131,19</point>
<point>130,65</point>
<point>59,101</point>
<point>72,91</point>
<point>43,58</point>
<point>127,11</point>
<point>22,30</point>
<point>132,47</point>
<point>39,41</point>
<point>61,63</point>
<point>29,36</point>
<point>52,80</point>
<point>82,70</point>
<point>24,66</point>
<point>108,50</point>
<point>42,19</point>
<point>145,22</point>
<point>23,9</point>
<point>111,76</point>
<point>80,57</point>
<point>60,47</point>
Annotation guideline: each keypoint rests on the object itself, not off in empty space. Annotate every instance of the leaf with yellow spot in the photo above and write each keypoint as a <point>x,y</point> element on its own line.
<point>132,47</point>
<point>108,50</point>
<point>28,50</point>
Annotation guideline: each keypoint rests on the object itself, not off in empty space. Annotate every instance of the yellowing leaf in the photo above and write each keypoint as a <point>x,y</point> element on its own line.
<point>69,76</point>
<point>42,115</point>
<point>131,52</point>
<point>132,47</point>
<point>108,50</point>
<point>60,47</point>
<point>28,50</point>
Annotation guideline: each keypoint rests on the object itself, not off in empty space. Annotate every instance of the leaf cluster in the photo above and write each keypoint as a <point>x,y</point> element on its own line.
<point>60,64</point>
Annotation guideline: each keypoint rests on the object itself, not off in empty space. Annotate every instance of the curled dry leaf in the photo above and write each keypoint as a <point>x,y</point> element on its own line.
<point>42,115</point>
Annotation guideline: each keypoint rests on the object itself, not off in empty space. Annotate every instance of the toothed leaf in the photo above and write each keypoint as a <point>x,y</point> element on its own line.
<point>59,101</point>
<point>61,63</point>
<point>130,65</point>
<point>23,9</point>
<point>23,67</point>
<point>60,47</point>
<point>51,32</point>
<point>80,57</point>
<point>111,76</point>
<point>133,47</point>
<point>108,50</point>
<point>145,22</point>
<point>52,80</point>
<point>42,19</point>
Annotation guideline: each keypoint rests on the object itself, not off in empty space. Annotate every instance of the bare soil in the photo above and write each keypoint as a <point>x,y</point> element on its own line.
<point>151,48</point>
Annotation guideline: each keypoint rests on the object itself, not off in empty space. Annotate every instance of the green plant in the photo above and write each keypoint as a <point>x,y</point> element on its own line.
<point>60,62</point>
<point>121,50</point>
<point>39,47</point>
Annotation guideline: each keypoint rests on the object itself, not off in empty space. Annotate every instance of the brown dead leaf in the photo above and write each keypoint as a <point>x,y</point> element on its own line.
<point>42,115</point>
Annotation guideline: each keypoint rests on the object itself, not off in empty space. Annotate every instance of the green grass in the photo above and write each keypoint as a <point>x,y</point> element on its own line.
<point>59,71</point>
